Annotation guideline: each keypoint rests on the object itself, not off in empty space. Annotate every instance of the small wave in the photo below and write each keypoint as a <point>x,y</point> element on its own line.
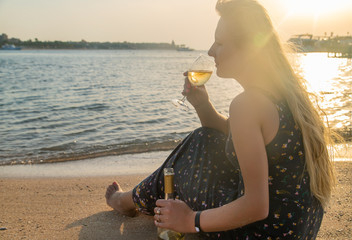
<point>159,120</point>
<point>80,132</point>
<point>91,107</point>
<point>54,125</point>
<point>96,107</point>
<point>57,148</point>
<point>128,148</point>
<point>326,92</point>
<point>30,120</point>
<point>31,98</point>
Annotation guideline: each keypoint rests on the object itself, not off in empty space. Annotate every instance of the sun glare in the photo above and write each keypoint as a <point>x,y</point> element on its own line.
<point>314,7</point>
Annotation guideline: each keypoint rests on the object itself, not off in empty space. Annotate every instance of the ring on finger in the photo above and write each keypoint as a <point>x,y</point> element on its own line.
<point>158,211</point>
<point>158,218</point>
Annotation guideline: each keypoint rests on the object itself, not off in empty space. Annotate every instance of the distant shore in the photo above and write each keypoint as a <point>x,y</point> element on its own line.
<point>83,44</point>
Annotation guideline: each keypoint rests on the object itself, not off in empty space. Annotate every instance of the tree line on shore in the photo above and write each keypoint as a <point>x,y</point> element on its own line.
<point>37,44</point>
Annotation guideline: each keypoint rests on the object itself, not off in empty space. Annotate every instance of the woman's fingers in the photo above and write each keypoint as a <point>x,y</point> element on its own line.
<point>186,87</point>
<point>195,94</point>
<point>160,224</point>
<point>174,214</point>
<point>161,213</point>
<point>163,202</point>
<point>159,218</point>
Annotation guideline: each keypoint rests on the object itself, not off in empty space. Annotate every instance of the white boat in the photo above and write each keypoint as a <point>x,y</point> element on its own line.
<point>9,47</point>
<point>183,48</point>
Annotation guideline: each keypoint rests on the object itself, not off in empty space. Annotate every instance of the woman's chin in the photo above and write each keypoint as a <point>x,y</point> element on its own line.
<point>221,74</point>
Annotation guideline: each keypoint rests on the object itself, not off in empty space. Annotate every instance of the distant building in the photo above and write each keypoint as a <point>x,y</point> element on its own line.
<point>3,37</point>
<point>304,42</point>
<point>14,41</point>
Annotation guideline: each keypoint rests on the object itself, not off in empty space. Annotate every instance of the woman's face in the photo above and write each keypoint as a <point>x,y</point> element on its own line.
<point>229,58</point>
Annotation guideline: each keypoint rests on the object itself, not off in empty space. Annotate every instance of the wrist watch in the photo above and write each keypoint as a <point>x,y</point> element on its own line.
<point>197,222</point>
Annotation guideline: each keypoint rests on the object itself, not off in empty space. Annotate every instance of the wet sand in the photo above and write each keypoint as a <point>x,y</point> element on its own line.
<point>75,208</point>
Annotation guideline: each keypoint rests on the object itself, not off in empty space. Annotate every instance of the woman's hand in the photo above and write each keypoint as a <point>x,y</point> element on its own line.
<point>197,96</point>
<point>174,215</point>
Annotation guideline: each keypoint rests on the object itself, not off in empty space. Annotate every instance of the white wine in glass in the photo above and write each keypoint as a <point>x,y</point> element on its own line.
<point>199,77</point>
<point>198,74</point>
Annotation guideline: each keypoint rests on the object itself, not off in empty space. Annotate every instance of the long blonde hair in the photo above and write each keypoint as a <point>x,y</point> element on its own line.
<point>256,29</point>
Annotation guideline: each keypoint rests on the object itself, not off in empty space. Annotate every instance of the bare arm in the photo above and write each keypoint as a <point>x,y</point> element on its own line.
<point>245,124</point>
<point>250,150</point>
<point>209,117</point>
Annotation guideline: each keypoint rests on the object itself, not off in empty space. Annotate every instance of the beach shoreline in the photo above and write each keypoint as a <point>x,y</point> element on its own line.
<point>342,152</point>
<point>73,207</point>
<point>126,164</point>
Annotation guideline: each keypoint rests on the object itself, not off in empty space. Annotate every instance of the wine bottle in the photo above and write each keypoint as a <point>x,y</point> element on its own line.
<point>166,234</point>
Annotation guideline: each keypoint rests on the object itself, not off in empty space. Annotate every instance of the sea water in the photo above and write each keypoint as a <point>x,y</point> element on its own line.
<point>76,104</point>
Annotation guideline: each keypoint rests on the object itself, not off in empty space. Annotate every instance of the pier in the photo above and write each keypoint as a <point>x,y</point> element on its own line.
<point>335,46</point>
<point>341,51</point>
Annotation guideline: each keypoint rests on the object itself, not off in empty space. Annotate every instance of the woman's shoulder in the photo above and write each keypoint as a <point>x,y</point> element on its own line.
<point>253,106</point>
<point>252,101</point>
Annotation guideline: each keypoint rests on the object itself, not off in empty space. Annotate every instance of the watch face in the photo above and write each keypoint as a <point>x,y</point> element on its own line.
<point>197,229</point>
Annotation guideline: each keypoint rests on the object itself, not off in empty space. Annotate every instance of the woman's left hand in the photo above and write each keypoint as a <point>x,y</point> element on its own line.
<point>174,215</point>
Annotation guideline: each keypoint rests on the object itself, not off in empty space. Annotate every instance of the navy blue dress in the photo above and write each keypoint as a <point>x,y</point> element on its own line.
<point>207,175</point>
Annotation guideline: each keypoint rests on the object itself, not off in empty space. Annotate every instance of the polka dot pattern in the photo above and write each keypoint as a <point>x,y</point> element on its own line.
<point>207,175</point>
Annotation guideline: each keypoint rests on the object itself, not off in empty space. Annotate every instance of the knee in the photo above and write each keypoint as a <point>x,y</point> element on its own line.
<point>208,131</point>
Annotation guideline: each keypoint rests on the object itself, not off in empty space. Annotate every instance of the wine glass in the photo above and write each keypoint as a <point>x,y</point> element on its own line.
<point>198,74</point>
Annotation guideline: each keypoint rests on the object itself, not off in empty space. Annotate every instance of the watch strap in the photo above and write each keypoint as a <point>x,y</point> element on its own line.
<point>197,222</point>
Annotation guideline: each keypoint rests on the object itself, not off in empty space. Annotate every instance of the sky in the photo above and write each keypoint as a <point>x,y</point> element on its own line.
<point>190,22</point>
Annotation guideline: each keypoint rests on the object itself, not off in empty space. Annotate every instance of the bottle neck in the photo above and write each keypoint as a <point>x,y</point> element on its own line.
<point>169,196</point>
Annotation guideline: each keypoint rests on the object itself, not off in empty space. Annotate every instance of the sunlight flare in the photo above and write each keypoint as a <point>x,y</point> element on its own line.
<point>314,7</point>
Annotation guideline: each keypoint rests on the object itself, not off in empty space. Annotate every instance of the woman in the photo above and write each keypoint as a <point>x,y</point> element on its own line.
<point>262,173</point>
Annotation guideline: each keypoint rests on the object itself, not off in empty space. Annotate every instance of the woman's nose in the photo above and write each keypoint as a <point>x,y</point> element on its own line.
<point>211,51</point>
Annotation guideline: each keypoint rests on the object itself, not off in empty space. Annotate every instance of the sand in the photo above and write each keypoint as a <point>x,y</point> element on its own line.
<point>75,208</point>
